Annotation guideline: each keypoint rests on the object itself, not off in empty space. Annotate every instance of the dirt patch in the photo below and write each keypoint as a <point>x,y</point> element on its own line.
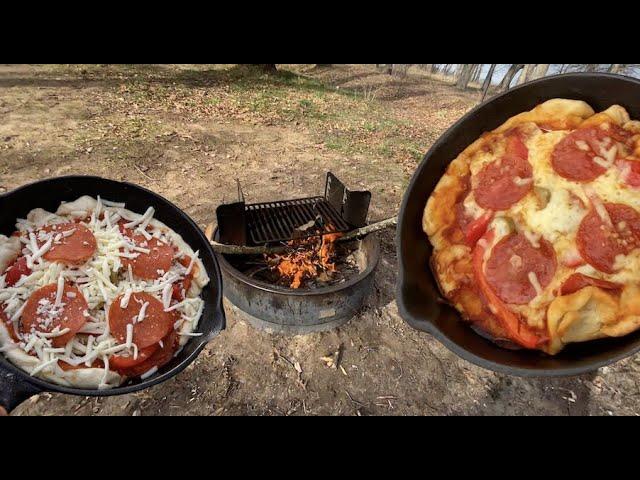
<point>187,132</point>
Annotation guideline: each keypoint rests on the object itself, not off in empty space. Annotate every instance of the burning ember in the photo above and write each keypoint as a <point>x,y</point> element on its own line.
<point>311,258</point>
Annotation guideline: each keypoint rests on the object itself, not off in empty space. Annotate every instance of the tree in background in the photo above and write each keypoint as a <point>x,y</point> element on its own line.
<point>464,74</point>
<point>532,71</point>
<point>514,68</point>
<point>473,76</point>
<point>487,80</point>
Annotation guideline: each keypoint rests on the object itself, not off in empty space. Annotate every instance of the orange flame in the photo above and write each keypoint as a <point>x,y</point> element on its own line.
<point>311,257</point>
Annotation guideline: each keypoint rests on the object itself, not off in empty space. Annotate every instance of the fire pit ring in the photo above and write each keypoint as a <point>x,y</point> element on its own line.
<point>278,309</point>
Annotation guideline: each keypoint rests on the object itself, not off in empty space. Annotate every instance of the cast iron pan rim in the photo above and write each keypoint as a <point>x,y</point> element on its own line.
<point>154,380</point>
<point>276,290</point>
<point>402,280</point>
<point>511,370</point>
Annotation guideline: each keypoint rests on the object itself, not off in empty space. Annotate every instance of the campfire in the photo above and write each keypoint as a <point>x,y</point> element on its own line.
<point>298,266</point>
<point>310,258</point>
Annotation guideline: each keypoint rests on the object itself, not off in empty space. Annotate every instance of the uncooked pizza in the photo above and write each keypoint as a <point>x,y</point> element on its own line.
<point>95,294</point>
<point>536,228</point>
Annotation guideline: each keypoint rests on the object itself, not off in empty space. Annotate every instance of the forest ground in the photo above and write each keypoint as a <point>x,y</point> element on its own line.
<point>187,131</point>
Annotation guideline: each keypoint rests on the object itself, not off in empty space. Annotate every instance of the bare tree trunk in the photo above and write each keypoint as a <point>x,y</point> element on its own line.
<point>616,68</point>
<point>527,73</point>
<point>487,81</point>
<point>540,70</point>
<point>476,72</point>
<point>591,67</point>
<point>508,77</point>
<point>463,75</point>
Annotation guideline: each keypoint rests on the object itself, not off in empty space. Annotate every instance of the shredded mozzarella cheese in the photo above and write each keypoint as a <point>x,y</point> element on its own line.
<point>533,279</point>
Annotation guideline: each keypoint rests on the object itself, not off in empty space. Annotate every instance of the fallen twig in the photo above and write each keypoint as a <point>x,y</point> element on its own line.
<point>354,401</point>
<point>242,250</point>
<point>142,172</point>
<point>364,231</point>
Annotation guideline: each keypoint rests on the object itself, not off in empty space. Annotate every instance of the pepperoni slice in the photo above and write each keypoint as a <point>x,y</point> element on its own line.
<point>182,287</point>
<point>573,157</point>
<point>67,367</point>
<point>511,263</point>
<point>16,271</point>
<point>578,281</point>
<point>120,363</point>
<point>152,265</point>
<point>630,171</point>
<point>155,325</point>
<point>600,242</point>
<point>74,249</point>
<point>516,329</point>
<point>41,313</point>
<point>507,180</point>
<point>160,357</point>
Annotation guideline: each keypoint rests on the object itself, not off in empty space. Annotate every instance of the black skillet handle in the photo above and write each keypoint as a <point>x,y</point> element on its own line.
<point>14,390</point>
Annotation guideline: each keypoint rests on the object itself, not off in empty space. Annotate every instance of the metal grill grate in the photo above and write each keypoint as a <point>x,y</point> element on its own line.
<point>340,210</point>
<point>277,221</point>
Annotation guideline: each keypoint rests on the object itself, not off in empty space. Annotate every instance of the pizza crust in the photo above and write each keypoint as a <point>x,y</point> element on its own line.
<point>9,251</point>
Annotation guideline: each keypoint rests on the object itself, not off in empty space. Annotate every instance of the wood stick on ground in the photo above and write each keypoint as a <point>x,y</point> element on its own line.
<point>242,250</point>
<point>364,231</point>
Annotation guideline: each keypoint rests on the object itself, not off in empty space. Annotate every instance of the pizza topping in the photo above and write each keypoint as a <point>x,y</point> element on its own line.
<point>16,271</point>
<point>582,145</point>
<point>629,171</point>
<point>517,330</point>
<point>67,367</point>
<point>152,259</point>
<point>587,153</point>
<point>533,279</point>
<point>70,243</point>
<point>543,196</point>
<point>121,363</point>
<point>506,181</point>
<point>533,238</point>
<point>154,326</point>
<point>608,232</point>
<point>46,312</point>
<point>519,282</point>
<point>521,182</point>
<point>516,261</point>
<point>164,352</point>
<point>571,258</point>
<point>473,230</point>
<point>578,281</point>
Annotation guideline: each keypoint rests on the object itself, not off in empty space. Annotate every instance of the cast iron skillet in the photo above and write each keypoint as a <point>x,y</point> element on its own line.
<point>16,385</point>
<point>418,298</point>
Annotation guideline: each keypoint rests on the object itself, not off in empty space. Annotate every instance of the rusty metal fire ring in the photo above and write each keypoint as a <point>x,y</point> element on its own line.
<point>298,312</point>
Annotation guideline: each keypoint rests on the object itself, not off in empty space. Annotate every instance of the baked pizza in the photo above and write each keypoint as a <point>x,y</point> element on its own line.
<point>536,228</point>
<point>95,294</point>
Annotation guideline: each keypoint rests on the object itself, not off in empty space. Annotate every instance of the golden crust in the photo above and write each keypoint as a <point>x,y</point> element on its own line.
<point>592,313</point>
<point>587,314</point>
<point>559,113</point>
